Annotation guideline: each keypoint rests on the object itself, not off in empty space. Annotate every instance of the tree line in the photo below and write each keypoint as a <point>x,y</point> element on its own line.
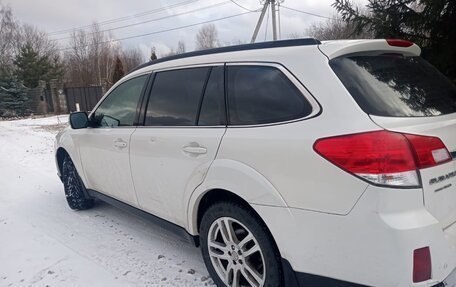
<point>29,57</point>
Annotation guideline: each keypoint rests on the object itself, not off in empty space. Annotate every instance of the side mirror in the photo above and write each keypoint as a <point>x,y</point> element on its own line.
<point>79,120</point>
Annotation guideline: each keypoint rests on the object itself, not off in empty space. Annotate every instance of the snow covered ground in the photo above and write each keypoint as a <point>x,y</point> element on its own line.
<point>44,243</point>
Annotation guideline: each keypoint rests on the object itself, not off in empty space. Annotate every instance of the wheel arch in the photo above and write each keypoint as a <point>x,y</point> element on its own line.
<point>60,155</point>
<point>230,180</point>
<point>214,196</point>
<point>65,146</point>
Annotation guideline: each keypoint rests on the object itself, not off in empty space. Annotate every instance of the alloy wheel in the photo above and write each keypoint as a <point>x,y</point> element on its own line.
<point>235,254</point>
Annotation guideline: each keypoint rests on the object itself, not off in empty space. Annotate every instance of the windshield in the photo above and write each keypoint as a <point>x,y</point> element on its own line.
<point>393,85</point>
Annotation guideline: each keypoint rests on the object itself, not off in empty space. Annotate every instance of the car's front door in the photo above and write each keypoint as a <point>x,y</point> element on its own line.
<point>104,146</point>
<point>172,152</point>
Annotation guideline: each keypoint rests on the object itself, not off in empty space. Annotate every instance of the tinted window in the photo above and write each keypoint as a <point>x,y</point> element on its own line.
<point>175,97</point>
<point>213,105</point>
<point>119,107</point>
<point>396,86</point>
<point>260,95</point>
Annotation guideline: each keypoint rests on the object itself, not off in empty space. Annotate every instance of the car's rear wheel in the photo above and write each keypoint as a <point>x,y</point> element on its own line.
<point>75,191</point>
<point>237,248</point>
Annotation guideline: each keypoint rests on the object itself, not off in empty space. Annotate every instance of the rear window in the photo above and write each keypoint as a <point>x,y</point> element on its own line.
<point>393,85</point>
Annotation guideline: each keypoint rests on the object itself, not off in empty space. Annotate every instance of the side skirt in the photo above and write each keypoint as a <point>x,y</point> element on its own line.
<point>176,229</point>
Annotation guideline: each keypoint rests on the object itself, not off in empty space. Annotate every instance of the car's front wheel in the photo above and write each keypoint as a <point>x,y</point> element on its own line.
<point>75,192</point>
<point>237,248</point>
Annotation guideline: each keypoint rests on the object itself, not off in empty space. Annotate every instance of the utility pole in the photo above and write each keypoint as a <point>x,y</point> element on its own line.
<point>273,4</point>
<point>260,20</point>
<point>274,20</point>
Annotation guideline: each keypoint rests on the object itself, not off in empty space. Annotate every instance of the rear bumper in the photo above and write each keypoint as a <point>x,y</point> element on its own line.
<point>298,279</point>
<point>373,245</point>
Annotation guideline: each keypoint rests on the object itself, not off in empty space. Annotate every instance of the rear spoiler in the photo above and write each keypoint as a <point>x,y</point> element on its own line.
<point>337,48</point>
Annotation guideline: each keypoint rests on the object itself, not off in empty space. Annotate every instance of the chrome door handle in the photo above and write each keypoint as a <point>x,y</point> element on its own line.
<point>194,149</point>
<point>120,144</point>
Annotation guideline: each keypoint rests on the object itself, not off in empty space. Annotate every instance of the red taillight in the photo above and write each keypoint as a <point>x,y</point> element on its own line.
<point>383,157</point>
<point>399,43</point>
<point>422,266</point>
<point>430,151</point>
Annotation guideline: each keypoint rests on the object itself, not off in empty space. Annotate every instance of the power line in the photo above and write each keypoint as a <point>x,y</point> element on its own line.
<point>247,9</point>
<point>162,31</point>
<point>124,18</point>
<point>307,13</point>
<point>153,20</point>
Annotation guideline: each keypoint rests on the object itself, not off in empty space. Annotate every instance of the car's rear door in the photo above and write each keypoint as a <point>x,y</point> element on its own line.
<point>184,124</point>
<point>104,146</point>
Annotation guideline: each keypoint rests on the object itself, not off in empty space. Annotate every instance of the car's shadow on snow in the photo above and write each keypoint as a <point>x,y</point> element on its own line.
<point>138,249</point>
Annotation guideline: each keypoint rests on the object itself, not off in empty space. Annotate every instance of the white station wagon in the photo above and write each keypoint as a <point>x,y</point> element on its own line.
<point>291,163</point>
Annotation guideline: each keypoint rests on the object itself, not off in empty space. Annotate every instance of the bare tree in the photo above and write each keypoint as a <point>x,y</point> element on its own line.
<point>8,31</point>
<point>91,58</point>
<point>77,59</point>
<point>207,37</point>
<point>180,47</point>
<point>336,28</point>
<point>179,50</point>
<point>131,58</point>
<point>37,39</point>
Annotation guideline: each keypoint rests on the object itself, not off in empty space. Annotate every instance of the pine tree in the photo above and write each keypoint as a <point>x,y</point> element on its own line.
<point>118,71</point>
<point>153,55</point>
<point>13,95</point>
<point>31,67</point>
<point>428,23</point>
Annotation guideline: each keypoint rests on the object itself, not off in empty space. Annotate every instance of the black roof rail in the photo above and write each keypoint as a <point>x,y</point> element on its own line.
<point>244,47</point>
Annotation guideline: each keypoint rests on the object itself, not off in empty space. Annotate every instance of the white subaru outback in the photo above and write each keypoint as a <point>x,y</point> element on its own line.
<point>291,163</point>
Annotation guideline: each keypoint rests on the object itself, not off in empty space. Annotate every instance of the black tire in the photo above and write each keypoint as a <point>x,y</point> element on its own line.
<point>75,191</point>
<point>273,275</point>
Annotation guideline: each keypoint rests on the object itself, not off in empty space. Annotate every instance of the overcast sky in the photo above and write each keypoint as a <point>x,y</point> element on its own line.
<point>54,15</point>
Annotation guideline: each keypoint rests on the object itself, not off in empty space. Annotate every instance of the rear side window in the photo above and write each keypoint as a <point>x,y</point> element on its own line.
<point>262,95</point>
<point>175,97</point>
<point>119,107</point>
<point>392,85</point>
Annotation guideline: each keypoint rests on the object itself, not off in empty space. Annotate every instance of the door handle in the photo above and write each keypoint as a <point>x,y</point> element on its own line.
<point>194,149</point>
<point>120,144</point>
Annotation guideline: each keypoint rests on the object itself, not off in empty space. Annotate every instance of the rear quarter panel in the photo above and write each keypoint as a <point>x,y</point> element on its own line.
<point>283,153</point>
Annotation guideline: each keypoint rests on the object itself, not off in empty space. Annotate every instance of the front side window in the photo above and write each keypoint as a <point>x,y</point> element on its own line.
<point>262,95</point>
<point>119,107</point>
<point>175,97</point>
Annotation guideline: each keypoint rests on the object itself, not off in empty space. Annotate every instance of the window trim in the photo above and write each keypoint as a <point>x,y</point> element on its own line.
<point>203,92</point>
<point>316,108</point>
<point>178,68</point>
<point>203,96</point>
<point>138,107</point>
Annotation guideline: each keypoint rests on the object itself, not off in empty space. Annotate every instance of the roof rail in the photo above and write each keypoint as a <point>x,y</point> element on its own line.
<point>244,47</point>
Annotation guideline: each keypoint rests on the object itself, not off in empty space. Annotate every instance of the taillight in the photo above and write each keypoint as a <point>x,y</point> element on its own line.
<point>422,266</point>
<point>383,157</point>
<point>399,43</point>
<point>430,151</point>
